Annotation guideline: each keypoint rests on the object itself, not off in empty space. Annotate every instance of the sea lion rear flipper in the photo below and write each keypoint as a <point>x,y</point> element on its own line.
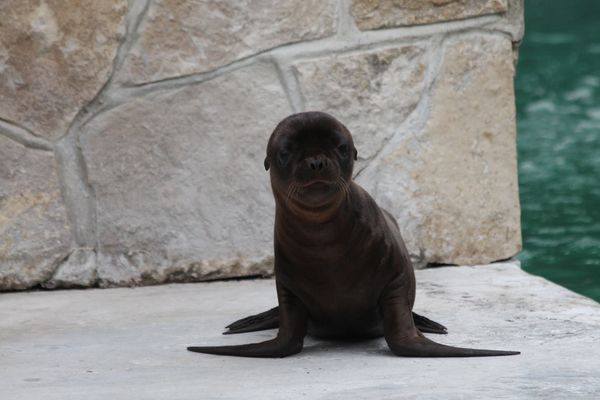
<point>259,322</point>
<point>270,320</point>
<point>426,325</point>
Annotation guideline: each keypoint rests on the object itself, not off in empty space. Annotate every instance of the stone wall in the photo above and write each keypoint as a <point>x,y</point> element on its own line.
<point>132,133</point>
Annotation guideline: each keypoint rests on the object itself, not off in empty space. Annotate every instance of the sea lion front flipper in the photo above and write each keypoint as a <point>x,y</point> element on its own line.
<point>293,319</point>
<point>274,348</point>
<point>404,339</point>
<point>420,346</point>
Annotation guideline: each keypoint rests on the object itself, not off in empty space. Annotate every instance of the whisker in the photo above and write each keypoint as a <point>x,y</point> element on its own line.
<point>343,185</point>
<point>289,191</point>
<point>296,192</point>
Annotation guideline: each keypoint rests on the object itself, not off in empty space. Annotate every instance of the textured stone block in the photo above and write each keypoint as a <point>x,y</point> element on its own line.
<point>54,58</point>
<point>372,93</point>
<point>34,231</point>
<point>377,14</point>
<point>185,37</point>
<point>453,183</point>
<point>179,179</point>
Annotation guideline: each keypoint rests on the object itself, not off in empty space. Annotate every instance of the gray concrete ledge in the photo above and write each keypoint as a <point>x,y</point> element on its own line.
<point>130,344</point>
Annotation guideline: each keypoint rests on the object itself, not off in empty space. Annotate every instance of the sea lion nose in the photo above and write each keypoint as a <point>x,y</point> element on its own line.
<point>317,163</point>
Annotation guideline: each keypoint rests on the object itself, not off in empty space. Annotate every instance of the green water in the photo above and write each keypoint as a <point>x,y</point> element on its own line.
<point>558,120</point>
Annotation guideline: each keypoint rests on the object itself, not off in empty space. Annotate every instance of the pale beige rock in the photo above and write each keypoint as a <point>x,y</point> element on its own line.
<point>453,185</point>
<point>34,231</point>
<point>179,180</point>
<point>371,92</point>
<point>55,55</point>
<point>185,37</point>
<point>377,14</point>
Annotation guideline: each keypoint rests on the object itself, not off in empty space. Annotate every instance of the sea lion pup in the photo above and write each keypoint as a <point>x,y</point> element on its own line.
<point>341,267</point>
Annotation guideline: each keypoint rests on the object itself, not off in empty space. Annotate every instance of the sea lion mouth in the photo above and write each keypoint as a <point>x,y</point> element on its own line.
<point>312,192</point>
<point>317,184</point>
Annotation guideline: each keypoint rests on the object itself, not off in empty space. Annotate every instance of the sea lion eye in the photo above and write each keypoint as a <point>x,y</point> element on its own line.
<point>343,149</point>
<point>284,157</point>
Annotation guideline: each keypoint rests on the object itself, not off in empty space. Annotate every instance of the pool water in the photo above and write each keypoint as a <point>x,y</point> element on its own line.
<point>558,121</point>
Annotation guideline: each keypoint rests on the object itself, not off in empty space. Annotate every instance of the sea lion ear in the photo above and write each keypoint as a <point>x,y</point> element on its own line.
<point>267,163</point>
<point>355,154</point>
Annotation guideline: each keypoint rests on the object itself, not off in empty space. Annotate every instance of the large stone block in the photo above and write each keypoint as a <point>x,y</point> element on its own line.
<point>185,37</point>
<point>453,183</point>
<point>34,231</point>
<point>55,56</point>
<point>179,180</point>
<point>377,14</point>
<point>371,92</point>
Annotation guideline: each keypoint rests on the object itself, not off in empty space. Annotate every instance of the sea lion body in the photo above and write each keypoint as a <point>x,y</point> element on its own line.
<point>342,269</point>
<point>338,281</point>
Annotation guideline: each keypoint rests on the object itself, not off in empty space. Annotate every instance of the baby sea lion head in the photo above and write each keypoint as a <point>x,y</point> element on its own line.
<point>310,156</point>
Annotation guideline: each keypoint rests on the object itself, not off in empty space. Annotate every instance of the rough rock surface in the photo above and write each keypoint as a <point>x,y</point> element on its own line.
<point>377,14</point>
<point>371,92</point>
<point>179,179</point>
<point>34,232</point>
<point>55,56</point>
<point>185,37</point>
<point>453,184</point>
